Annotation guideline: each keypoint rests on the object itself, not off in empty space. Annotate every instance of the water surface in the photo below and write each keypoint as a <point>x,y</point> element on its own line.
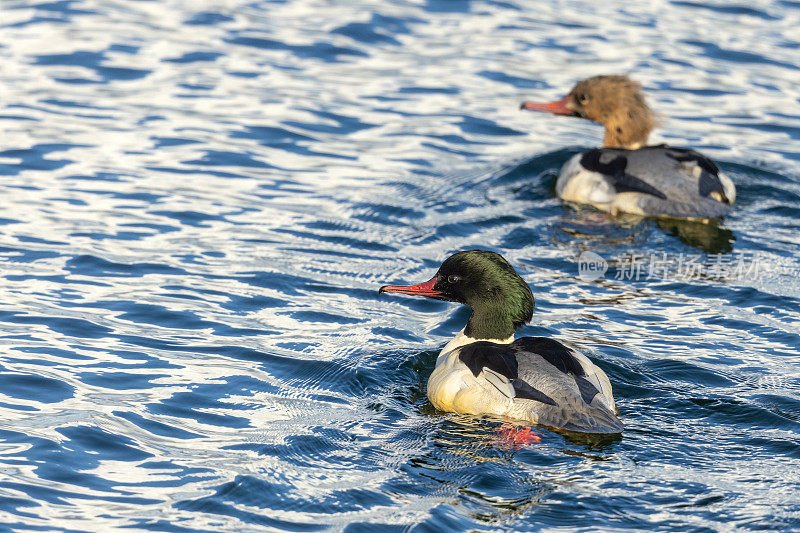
<point>201,200</point>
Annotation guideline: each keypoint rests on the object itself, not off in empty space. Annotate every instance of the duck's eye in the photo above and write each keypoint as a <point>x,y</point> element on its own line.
<point>453,278</point>
<point>582,98</point>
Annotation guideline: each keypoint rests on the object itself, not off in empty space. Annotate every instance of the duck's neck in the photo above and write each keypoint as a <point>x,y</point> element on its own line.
<point>490,323</point>
<point>493,325</point>
<point>628,127</point>
<point>462,339</point>
<point>619,139</point>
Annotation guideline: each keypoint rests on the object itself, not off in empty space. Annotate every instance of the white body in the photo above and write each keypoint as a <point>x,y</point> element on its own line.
<point>677,181</point>
<point>453,387</point>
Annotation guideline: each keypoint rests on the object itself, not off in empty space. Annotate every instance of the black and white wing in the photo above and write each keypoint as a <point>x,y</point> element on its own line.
<point>667,181</point>
<point>548,382</point>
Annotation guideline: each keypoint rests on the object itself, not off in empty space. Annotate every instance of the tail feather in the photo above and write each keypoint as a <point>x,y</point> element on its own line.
<point>700,209</point>
<point>594,419</point>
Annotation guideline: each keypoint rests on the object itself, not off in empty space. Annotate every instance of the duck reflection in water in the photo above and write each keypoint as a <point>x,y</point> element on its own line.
<point>606,230</point>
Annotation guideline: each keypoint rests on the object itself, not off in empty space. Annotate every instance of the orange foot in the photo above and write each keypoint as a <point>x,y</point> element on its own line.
<point>517,436</point>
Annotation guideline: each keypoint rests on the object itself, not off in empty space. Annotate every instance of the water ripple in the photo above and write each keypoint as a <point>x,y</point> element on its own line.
<point>201,202</point>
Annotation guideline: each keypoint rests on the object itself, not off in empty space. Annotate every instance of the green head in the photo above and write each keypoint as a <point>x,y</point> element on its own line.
<point>500,300</point>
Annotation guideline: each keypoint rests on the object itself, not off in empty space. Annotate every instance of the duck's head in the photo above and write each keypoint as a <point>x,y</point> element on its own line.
<point>616,102</point>
<point>500,300</point>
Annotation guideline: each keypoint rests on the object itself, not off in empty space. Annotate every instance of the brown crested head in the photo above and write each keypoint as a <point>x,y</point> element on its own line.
<point>615,101</point>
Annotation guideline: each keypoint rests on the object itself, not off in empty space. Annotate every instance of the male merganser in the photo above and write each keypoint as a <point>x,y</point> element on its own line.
<point>484,371</point>
<point>626,174</point>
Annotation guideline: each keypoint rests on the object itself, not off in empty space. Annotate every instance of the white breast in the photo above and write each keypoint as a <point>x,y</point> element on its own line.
<point>576,184</point>
<point>452,387</point>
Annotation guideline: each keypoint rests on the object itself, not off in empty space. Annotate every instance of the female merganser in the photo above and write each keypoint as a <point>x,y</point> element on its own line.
<point>626,174</point>
<point>484,371</point>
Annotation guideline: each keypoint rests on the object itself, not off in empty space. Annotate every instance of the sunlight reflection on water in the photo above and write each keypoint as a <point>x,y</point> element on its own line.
<point>201,202</point>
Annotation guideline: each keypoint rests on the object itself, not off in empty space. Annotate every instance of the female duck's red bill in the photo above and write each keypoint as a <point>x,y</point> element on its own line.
<point>556,108</point>
<point>423,289</point>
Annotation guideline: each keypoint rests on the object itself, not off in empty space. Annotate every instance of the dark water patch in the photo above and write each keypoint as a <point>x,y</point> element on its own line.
<point>714,51</point>
<point>157,428</point>
<point>240,74</point>
<point>307,451</point>
<point>366,527</point>
<point>674,371</point>
<point>158,228</point>
<point>727,9</point>
<point>122,235</point>
<point>448,6</point>
<point>161,316</point>
<point>222,158</point>
<point>385,214</point>
<point>163,525</point>
<point>327,318</point>
<point>193,405</point>
<point>71,104</point>
<point>143,360</point>
<point>519,83</point>
<point>320,253</point>
<point>165,142</point>
<point>24,255</point>
<point>708,91</point>
<point>214,173</point>
<point>88,265</point>
<point>63,497</point>
<point>734,412</point>
<point>102,446</point>
<point>99,176</point>
<point>56,352</point>
<point>319,50</point>
<point>92,61</point>
<point>84,448</point>
<point>345,124</point>
<point>790,131</point>
<point>790,449</point>
<point>208,18</point>
<point>13,506</point>
<point>396,334</point>
<point>192,218</point>
<point>232,492</point>
<point>286,284</point>
<point>62,280</point>
<point>782,406</point>
<point>527,169</point>
<point>520,238</point>
<point>339,240</point>
<point>356,292</point>
<point>456,139</point>
<point>237,303</point>
<point>379,30</point>
<point>61,7</point>
<point>447,150</point>
<point>119,380</point>
<point>428,90</point>
<point>195,57</point>
<point>275,137</point>
<point>34,158</point>
<point>70,327</point>
<point>366,33</point>
<point>465,229</point>
<point>33,387</point>
<point>481,126</point>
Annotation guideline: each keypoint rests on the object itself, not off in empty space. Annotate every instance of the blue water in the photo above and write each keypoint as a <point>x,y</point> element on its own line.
<point>200,201</point>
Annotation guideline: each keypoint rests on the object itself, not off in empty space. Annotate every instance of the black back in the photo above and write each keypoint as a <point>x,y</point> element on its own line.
<point>646,170</point>
<point>503,359</point>
<point>614,167</point>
